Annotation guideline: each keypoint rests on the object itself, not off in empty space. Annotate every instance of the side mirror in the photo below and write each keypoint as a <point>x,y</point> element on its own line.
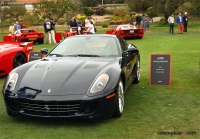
<point>132,50</point>
<point>44,51</point>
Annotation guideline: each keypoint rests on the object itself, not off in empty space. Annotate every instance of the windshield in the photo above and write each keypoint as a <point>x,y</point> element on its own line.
<point>128,27</point>
<point>87,46</point>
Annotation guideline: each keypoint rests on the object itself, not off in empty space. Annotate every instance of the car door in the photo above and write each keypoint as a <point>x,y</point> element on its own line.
<point>127,59</point>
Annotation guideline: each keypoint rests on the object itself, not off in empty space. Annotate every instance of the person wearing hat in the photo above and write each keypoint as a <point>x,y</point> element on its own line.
<point>185,22</point>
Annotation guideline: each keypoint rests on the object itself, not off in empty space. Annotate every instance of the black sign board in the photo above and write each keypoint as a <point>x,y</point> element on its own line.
<point>35,56</point>
<point>160,70</point>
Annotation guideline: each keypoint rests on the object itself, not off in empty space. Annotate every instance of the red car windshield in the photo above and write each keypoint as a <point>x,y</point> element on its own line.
<point>128,27</point>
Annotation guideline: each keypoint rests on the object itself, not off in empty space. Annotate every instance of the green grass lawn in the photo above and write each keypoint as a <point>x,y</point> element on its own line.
<point>149,110</point>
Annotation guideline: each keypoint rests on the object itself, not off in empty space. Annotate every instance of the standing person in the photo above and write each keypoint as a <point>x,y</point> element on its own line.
<point>11,28</point>
<point>80,28</point>
<point>138,20</point>
<point>71,22</point>
<point>179,21</point>
<point>51,32</point>
<point>17,26</point>
<point>91,27</point>
<point>143,22</point>
<point>87,22</point>
<point>53,24</point>
<point>147,22</point>
<point>46,31</point>
<point>75,22</point>
<point>171,23</point>
<point>185,22</point>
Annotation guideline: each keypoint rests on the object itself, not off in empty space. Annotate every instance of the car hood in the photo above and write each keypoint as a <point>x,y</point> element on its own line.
<point>63,76</point>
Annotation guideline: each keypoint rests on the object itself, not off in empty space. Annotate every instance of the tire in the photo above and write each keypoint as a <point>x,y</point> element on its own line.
<point>136,72</point>
<point>18,60</point>
<point>10,113</point>
<point>41,41</point>
<point>119,107</point>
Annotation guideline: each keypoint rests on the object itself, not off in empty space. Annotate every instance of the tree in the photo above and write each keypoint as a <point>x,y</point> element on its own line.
<point>13,11</point>
<point>166,7</point>
<point>195,10</point>
<point>89,3</point>
<point>57,9</point>
<point>93,3</point>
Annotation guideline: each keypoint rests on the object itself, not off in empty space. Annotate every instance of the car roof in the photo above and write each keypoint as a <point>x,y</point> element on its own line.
<point>95,35</point>
<point>126,26</point>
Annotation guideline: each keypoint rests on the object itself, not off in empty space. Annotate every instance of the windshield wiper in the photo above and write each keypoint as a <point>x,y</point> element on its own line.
<point>85,55</point>
<point>57,55</point>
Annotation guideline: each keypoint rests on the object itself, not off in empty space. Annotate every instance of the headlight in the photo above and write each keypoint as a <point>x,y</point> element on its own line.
<point>11,81</point>
<point>100,83</point>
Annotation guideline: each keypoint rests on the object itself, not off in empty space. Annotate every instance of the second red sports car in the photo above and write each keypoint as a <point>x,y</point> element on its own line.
<point>73,31</point>
<point>27,35</point>
<point>127,31</point>
<point>13,54</point>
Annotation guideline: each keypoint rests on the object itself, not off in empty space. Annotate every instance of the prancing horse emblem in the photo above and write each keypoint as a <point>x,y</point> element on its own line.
<point>46,107</point>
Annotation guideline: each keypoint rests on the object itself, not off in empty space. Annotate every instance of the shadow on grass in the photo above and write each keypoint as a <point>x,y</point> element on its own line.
<point>58,121</point>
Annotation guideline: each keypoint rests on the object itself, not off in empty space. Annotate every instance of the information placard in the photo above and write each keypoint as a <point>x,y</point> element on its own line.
<point>35,56</point>
<point>160,69</point>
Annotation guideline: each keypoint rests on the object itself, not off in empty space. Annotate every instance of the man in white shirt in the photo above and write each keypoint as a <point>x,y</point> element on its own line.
<point>91,27</point>
<point>171,23</point>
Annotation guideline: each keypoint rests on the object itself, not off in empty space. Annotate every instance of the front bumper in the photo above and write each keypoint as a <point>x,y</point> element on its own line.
<point>139,35</point>
<point>63,106</point>
<point>31,39</point>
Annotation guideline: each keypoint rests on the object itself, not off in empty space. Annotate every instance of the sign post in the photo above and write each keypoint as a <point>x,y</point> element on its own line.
<point>35,56</point>
<point>160,69</point>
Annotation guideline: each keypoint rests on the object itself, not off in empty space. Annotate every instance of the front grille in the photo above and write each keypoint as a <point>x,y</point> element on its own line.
<point>42,108</point>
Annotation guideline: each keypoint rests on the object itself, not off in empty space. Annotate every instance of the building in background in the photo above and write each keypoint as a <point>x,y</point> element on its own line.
<point>18,1</point>
<point>27,3</point>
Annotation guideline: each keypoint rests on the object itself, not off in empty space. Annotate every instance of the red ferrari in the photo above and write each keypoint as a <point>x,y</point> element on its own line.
<point>27,35</point>
<point>13,54</point>
<point>73,31</point>
<point>127,31</point>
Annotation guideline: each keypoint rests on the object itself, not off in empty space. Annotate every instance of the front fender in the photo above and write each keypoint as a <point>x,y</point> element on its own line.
<point>114,72</point>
